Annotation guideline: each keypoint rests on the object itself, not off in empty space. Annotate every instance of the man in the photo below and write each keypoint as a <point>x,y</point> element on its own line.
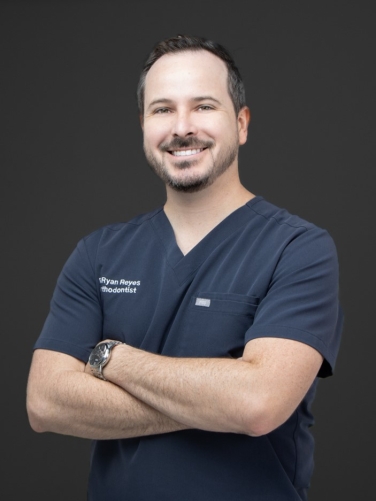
<point>214,314</point>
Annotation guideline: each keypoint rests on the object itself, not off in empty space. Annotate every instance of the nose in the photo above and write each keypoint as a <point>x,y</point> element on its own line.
<point>183,124</point>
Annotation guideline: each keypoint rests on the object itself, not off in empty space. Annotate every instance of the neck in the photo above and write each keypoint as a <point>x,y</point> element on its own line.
<point>194,215</point>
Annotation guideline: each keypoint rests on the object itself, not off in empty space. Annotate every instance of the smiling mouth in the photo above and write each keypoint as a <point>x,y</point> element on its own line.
<point>186,153</point>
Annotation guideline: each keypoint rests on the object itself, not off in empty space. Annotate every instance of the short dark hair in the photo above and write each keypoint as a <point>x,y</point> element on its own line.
<point>182,43</point>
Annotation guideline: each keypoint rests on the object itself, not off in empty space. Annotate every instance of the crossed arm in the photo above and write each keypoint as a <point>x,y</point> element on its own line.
<point>149,394</point>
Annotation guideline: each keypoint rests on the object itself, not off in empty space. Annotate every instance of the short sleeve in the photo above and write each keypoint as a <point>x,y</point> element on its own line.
<point>302,300</point>
<point>74,323</point>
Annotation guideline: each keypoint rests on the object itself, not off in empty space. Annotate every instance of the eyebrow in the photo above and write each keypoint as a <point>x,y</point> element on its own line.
<point>206,98</point>
<point>195,99</point>
<point>160,101</point>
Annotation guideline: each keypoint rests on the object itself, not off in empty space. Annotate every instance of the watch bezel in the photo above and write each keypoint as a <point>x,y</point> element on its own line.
<point>97,367</point>
<point>104,355</point>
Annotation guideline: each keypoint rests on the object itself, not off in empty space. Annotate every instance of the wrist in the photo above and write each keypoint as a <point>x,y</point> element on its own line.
<point>116,365</point>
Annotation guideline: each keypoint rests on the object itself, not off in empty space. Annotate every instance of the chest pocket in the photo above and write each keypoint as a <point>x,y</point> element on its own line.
<point>216,324</point>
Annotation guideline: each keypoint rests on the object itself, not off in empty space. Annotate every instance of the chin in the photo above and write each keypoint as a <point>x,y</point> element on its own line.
<point>188,188</point>
<point>191,185</point>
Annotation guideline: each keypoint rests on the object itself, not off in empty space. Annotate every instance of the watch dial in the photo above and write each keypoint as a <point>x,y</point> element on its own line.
<point>98,355</point>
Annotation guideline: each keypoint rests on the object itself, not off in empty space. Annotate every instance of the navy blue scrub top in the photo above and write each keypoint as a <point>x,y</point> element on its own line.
<point>261,272</point>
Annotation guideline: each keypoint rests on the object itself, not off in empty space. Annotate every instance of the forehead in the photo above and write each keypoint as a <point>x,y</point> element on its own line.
<point>186,74</point>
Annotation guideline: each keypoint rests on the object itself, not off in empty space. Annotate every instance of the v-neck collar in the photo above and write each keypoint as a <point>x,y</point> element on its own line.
<point>184,266</point>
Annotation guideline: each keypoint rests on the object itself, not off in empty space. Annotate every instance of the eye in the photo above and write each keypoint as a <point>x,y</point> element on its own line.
<point>161,111</point>
<point>205,107</point>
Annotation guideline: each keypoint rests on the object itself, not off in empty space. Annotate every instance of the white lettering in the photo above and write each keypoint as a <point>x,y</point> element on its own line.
<point>119,290</point>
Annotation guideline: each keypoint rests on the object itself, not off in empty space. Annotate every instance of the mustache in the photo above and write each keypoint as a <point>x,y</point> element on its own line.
<point>189,142</point>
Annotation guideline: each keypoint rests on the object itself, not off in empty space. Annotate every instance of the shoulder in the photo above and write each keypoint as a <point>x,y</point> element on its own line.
<point>112,238</point>
<point>282,226</point>
<point>277,216</point>
<point>283,238</point>
<point>114,231</point>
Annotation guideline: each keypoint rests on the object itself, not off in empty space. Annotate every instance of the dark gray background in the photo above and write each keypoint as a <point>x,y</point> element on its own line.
<point>72,161</point>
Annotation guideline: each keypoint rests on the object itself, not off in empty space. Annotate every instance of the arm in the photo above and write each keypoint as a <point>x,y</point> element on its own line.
<point>62,398</point>
<point>253,395</point>
<point>258,393</point>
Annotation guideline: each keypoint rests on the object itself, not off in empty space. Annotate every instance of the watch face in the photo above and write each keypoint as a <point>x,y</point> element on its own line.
<point>98,355</point>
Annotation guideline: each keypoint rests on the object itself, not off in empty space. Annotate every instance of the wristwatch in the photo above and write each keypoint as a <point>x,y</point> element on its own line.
<point>100,356</point>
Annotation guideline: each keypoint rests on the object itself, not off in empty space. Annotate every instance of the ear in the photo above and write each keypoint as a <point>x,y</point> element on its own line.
<point>141,117</point>
<point>244,117</point>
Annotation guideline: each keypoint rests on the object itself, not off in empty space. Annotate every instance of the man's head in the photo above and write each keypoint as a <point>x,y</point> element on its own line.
<point>183,43</point>
<point>192,129</point>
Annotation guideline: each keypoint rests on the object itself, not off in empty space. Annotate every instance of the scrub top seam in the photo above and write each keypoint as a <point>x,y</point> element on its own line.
<point>145,218</point>
<point>262,331</point>
<point>293,328</point>
<point>92,267</point>
<point>295,446</point>
<point>278,222</point>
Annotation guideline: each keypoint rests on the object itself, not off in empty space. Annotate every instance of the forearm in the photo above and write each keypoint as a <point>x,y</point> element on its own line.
<point>72,402</point>
<point>197,392</point>
<point>253,395</point>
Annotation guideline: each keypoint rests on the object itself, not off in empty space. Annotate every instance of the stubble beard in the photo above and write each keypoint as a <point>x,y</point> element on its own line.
<point>195,182</point>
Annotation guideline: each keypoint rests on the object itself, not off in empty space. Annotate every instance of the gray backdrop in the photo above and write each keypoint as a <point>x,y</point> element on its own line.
<point>72,161</point>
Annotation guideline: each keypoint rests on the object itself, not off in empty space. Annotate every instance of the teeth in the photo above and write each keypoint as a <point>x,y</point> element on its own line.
<point>184,153</point>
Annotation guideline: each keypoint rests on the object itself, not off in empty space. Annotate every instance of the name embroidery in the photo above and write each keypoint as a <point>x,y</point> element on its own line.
<point>128,285</point>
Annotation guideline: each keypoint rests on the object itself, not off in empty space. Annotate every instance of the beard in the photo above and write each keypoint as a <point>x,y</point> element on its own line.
<point>194,182</point>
